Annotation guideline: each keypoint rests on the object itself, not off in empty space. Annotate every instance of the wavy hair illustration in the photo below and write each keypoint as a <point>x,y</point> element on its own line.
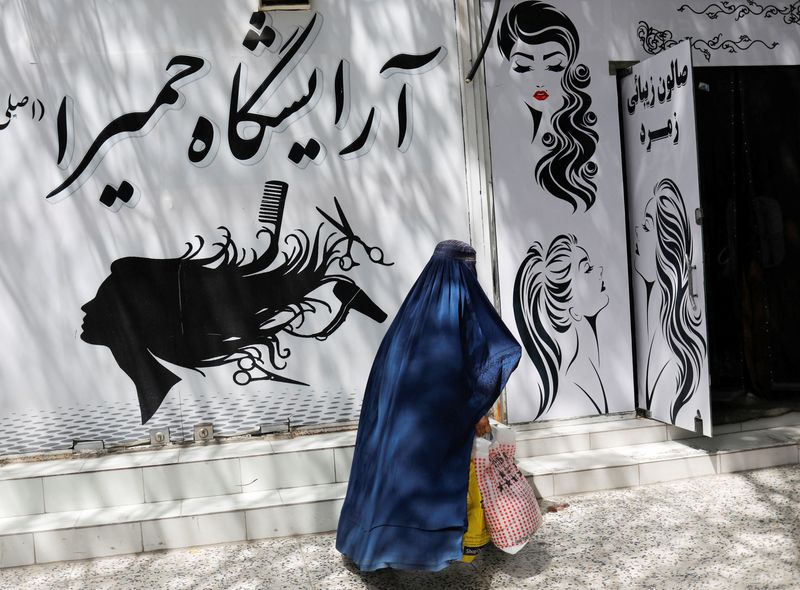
<point>680,322</point>
<point>566,171</point>
<point>542,293</point>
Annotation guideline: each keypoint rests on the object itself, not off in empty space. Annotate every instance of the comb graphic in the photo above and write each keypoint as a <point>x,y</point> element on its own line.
<point>270,214</point>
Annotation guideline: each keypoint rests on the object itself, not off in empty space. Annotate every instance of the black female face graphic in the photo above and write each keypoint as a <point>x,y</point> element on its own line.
<point>558,294</point>
<point>537,70</point>
<point>588,287</point>
<point>541,45</point>
<point>646,244</point>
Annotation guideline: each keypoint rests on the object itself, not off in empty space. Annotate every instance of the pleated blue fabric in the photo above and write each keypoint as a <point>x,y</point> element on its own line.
<point>439,369</point>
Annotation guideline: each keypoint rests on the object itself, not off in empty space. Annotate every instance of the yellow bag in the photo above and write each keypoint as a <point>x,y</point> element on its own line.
<point>477,535</point>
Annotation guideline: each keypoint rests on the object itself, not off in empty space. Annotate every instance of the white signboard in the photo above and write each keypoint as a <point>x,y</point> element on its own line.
<point>657,102</point>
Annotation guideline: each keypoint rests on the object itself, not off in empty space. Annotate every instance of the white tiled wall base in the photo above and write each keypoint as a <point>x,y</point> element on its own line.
<point>170,533</point>
<point>231,492</point>
<point>649,472</point>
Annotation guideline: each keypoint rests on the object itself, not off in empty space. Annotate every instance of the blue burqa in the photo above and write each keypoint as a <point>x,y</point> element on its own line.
<point>439,369</point>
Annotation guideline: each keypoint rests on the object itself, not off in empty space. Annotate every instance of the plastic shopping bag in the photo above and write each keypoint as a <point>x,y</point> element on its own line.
<point>509,503</point>
<point>477,535</point>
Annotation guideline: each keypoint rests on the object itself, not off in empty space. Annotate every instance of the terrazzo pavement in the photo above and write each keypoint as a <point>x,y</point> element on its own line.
<point>727,531</point>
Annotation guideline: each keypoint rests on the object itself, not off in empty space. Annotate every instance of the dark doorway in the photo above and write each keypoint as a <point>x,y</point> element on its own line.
<point>748,124</point>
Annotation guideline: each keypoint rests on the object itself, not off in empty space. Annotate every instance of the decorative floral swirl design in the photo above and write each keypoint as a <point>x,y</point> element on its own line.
<point>717,42</point>
<point>655,41</point>
<point>793,16</point>
<point>790,13</point>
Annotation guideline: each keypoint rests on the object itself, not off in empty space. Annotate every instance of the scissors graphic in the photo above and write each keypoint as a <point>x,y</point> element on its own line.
<point>346,262</point>
<point>249,365</point>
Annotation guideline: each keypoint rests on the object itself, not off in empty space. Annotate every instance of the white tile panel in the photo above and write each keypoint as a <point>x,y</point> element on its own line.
<point>310,494</point>
<point>658,471</point>
<point>287,470</point>
<point>93,490</point>
<point>300,519</point>
<point>758,458</point>
<point>130,460</point>
<point>193,530</point>
<point>40,468</point>
<point>192,480</point>
<point>16,550</point>
<point>543,485</point>
<point>676,433</point>
<point>230,503</point>
<point>577,461</point>
<point>230,450</point>
<point>33,523</point>
<point>126,514</point>
<point>315,441</point>
<point>64,545</point>
<point>568,428</point>
<point>596,479</point>
<point>619,417</point>
<point>343,461</point>
<point>21,496</point>
<point>635,436</point>
<point>533,447</point>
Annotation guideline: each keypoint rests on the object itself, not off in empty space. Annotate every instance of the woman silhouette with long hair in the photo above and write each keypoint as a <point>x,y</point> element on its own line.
<point>541,45</point>
<point>232,306</point>
<point>663,255</point>
<point>557,296</point>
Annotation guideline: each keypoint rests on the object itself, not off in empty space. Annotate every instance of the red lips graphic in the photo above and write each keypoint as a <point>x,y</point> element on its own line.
<point>540,95</point>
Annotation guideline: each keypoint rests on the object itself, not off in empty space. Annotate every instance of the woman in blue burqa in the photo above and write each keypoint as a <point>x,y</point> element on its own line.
<point>437,373</point>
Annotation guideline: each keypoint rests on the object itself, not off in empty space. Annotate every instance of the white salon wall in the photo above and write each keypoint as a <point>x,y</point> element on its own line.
<point>110,57</point>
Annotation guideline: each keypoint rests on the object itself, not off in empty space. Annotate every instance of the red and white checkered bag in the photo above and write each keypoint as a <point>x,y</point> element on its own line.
<point>509,503</point>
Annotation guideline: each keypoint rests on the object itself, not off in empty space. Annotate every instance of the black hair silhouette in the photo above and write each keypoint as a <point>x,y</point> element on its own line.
<point>566,171</point>
<point>204,312</point>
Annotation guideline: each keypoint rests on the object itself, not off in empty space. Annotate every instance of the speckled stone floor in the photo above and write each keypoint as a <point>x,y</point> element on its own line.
<point>730,531</point>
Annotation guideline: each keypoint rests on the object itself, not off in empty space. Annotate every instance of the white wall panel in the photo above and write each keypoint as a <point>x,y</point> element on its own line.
<point>110,59</point>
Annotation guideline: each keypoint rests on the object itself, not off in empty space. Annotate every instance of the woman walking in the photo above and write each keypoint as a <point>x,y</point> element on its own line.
<point>438,371</point>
